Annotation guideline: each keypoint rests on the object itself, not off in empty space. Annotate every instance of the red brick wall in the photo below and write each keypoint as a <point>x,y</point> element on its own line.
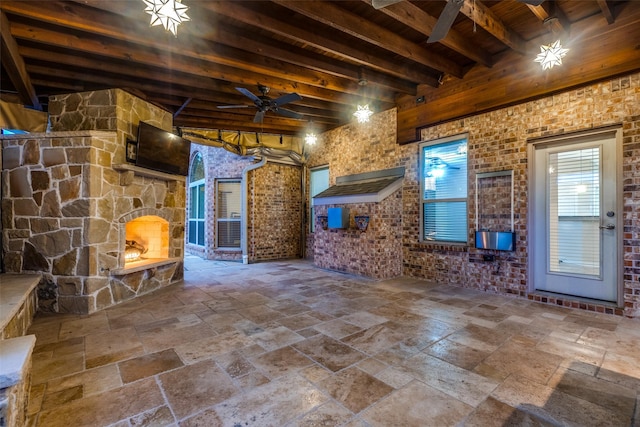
<point>497,141</point>
<point>275,215</point>
<point>274,207</point>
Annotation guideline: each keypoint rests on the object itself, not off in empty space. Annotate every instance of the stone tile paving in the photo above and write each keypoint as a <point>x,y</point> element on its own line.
<point>288,344</point>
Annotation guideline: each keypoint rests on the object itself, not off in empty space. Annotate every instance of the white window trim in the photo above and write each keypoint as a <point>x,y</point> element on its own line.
<point>421,146</point>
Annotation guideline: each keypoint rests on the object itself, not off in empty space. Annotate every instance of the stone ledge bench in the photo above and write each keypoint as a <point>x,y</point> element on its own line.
<point>18,303</point>
<point>15,379</point>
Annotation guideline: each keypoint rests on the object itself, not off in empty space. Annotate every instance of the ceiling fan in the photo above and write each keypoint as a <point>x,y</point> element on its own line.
<point>264,103</point>
<point>447,16</point>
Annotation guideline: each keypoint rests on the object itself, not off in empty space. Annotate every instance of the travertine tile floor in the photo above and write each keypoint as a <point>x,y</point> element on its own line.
<point>287,344</point>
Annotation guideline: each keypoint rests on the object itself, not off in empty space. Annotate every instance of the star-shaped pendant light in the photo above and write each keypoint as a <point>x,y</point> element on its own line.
<point>169,13</point>
<point>363,113</point>
<point>551,55</point>
<point>311,138</point>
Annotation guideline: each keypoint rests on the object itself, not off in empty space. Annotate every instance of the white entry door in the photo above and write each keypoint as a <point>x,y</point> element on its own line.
<point>575,220</point>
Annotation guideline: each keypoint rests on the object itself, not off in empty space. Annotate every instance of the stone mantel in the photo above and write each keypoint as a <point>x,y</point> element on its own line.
<point>53,135</point>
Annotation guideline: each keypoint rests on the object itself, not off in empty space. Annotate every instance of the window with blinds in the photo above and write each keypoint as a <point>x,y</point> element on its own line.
<point>574,211</point>
<point>443,167</point>
<point>195,225</point>
<point>319,182</point>
<point>228,213</point>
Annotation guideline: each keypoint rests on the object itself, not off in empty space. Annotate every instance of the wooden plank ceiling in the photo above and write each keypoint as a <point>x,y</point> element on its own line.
<point>323,50</point>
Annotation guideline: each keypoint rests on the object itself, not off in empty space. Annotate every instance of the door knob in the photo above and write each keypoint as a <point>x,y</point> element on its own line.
<point>607,227</point>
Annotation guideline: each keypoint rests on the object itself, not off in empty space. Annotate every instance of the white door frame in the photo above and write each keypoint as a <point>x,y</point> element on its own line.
<point>569,138</point>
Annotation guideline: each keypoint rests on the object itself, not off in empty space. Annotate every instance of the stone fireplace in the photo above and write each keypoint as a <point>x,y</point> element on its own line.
<point>71,203</point>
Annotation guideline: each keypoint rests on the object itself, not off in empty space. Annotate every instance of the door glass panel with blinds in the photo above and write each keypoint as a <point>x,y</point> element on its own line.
<point>574,212</point>
<point>443,166</point>
<point>574,233</point>
<point>228,214</point>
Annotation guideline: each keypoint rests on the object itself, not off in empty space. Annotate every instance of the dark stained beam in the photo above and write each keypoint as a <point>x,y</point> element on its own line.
<point>414,17</point>
<point>331,47</point>
<point>352,24</point>
<point>281,61</point>
<point>151,58</point>
<point>552,16</point>
<point>15,67</point>
<point>606,11</point>
<point>482,16</point>
<point>226,63</point>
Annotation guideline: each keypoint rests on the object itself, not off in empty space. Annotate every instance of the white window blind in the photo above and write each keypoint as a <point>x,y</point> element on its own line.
<point>444,190</point>
<point>228,214</point>
<point>574,211</point>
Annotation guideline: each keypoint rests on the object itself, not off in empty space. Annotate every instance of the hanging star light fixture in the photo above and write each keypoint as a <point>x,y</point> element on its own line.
<point>551,55</point>
<point>363,113</point>
<point>168,13</point>
<point>311,138</point>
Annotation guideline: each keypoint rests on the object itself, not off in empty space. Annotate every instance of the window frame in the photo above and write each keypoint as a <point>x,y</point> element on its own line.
<point>219,220</point>
<point>312,222</point>
<point>464,137</point>
<point>193,217</point>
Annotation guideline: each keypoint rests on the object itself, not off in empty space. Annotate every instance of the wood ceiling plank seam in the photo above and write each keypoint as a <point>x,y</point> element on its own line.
<point>339,19</point>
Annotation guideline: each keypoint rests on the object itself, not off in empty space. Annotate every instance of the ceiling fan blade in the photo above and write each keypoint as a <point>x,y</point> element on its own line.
<point>288,113</point>
<point>249,95</point>
<point>285,99</point>
<point>235,106</point>
<point>445,20</point>
<point>532,2</point>
<point>258,117</point>
<point>379,4</point>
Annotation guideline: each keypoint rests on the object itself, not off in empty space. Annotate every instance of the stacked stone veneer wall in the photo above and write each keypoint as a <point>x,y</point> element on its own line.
<point>111,110</point>
<point>498,141</point>
<point>64,210</point>
<point>376,252</point>
<point>64,206</point>
<point>274,206</point>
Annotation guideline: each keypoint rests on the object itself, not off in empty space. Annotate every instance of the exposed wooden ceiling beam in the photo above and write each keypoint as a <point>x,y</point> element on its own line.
<point>237,11</point>
<point>248,67</point>
<point>15,67</point>
<point>275,54</point>
<point>414,17</point>
<point>482,16</point>
<point>150,57</point>
<point>216,95</point>
<point>552,16</point>
<point>354,25</point>
<point>606,11</point>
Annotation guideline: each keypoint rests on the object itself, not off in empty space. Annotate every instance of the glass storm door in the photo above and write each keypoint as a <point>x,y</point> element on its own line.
<point>575,221</point>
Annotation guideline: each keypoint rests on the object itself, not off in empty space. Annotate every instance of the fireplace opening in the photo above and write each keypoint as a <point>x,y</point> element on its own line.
<point>146,238</point>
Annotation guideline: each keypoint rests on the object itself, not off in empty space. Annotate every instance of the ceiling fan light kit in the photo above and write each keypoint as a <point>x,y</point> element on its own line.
<point>264,103</point>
